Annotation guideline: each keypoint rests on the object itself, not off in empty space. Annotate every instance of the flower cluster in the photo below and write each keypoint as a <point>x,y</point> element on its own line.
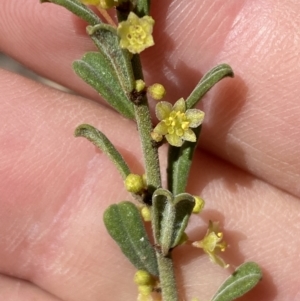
<point>176,122</point>
<point>212,243</point>
<point>136,33</point>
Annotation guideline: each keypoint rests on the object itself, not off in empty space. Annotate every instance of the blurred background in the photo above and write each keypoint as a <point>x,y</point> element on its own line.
<point>9,64</point>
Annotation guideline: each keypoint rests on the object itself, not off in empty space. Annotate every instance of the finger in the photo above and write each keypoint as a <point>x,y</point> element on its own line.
<point>13,289</point>
<point>45,38</point>
<point>252,121</point>
<point>46,203</point>
<point>55,189</point>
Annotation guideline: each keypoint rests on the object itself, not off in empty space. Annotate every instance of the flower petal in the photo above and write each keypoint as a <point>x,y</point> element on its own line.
<point>161,128</point>
<point>189,135</point>
<point>179,105</point>
<point>195,117</point>
<point>217,260</point>
<point>163,110</point>
<point>174,140</point>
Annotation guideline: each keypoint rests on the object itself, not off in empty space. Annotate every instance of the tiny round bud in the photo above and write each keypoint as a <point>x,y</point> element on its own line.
<point>139,85</point>
<point>142,277</point>
<point>199,204</point>
<point>145,289</point>
<point>146,213</point>
<point>157,91</point>
<point>134,183</point>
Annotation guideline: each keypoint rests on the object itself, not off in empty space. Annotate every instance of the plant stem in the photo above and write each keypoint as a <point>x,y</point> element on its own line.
<point>144,124</point>
<point>167,277</point>
<point>150,152</point>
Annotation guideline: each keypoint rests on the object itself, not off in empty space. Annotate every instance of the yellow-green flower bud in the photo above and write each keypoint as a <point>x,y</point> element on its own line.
<point>134,183</point>
<point>139,85</point>
<point>142,277</point>
<point>146,213</point>
<point>157,91</point>
<point>199,205</point>
<point>147,298</point>
<point>145,289</point>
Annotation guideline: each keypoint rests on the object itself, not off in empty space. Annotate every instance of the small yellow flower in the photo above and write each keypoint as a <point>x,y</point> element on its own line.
<point>136,33</point>
<point>175,122</point>
<point>212,243</point>
<point>157,91</point>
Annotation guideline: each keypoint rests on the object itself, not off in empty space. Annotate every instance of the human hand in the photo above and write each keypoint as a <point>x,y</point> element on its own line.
<point>54,188</point>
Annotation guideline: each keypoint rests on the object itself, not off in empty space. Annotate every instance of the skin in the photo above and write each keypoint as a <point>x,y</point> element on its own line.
<point>54,188</point>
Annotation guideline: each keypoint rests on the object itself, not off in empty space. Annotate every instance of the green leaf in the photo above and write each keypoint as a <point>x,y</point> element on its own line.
<point>96,70</point>
<point>179,164</point>
<point>142,8</point>
<point>124,224</point>
<point>107,41</point>
<point>79,9</point>
<point>239,283</point>
<point>102,142</point>
<point>207,82</point>
<point>170,217</point>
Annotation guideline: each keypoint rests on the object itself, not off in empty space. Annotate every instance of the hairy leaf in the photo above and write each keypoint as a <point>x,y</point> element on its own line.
<point>179,164</point>
<point>124,224</point>
<point>96,70</point>
<point>170,217</point>
<point>107,41</point>
<point>142,8</point>
<point>103,143</point>
<point>240,282</point>
<point>79,9</point>
<point>207,82</point>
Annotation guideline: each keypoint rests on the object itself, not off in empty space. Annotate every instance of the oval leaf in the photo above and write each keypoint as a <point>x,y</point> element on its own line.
<point>240,282</point>
<point>96,70</point>
<point>179,164</point>
<point>142,8</point>
<point>207,82</point>
<point>123,222</point>
<point>79,9</point>
<point>103,143</point>
<point>107,41</point>
<point>170,217</point>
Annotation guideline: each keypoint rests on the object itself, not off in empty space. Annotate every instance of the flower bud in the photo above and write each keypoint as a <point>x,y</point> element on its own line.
<point>157,91</point>
<point>146,213</point>
<point>134,183</point>
<point>142,277</point>
<point>139,85</point>
<point>145,290</point>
